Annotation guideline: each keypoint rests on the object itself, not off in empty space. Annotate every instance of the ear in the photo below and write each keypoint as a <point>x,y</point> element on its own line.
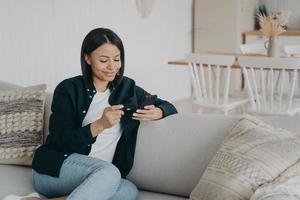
<point>87,59</point>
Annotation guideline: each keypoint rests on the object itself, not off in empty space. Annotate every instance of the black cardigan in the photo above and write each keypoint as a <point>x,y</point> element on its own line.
<point>71,101</point>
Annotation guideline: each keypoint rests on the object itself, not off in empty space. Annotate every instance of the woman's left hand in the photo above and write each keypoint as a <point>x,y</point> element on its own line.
<point>148,113</point>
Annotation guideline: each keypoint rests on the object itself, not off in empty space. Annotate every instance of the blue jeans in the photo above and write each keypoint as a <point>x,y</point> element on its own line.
<point>83,177</point>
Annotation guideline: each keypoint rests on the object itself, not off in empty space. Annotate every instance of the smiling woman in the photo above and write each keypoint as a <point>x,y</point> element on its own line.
<point>91,143</point>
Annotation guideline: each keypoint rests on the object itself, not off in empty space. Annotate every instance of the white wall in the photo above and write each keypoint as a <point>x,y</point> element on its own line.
<point>40,41</point>
<point>247,14</point>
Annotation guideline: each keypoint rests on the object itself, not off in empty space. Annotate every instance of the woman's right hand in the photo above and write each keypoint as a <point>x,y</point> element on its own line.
<point>111,116</point>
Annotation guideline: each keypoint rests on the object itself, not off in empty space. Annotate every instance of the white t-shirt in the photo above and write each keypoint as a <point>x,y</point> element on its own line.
<point>106,142</point>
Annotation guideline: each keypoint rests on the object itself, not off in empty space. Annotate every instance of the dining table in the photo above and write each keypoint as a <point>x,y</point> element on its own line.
<point>235,64</point>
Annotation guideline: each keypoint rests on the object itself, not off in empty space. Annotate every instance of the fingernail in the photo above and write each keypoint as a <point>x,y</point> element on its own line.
<point>134,114</point>
<point>138,111</point>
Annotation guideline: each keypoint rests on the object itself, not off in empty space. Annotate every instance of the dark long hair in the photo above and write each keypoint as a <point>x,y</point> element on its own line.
<point>92,41</point>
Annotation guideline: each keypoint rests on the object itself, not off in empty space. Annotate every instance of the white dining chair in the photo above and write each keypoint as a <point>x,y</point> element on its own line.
<point>260,77</point>
<point>211,79</point>
<point>253,49</point>
<point>293,51</point>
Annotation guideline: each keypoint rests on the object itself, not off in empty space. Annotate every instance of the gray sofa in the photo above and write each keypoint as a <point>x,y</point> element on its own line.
<point>171,154</point>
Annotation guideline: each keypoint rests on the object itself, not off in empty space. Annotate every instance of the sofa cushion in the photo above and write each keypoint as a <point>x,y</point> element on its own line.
<point>21,123</point>
<point>285,186</point>
<point>145,195</point>
<point>15,180</point>
<point>253,154</point>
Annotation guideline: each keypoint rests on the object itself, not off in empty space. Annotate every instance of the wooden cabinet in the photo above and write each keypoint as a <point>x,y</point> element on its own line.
<point>218,25</point>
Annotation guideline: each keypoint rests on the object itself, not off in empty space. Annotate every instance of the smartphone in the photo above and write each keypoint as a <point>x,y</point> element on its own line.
<point>148,100</point>
<point>129,109</point>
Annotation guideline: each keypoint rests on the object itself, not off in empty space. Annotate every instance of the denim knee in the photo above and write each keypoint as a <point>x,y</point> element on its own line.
<point>133,192</point>
<point>126,191</point>
<point>108,172</point>
<point>102,182</point>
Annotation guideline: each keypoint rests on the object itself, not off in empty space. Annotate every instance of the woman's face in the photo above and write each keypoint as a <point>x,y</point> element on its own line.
<point>105,62</point>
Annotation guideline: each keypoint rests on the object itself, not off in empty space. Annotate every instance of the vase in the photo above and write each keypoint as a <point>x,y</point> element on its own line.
<point>272,46</point>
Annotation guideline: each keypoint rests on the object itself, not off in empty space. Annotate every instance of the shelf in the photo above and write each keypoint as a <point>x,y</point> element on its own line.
<point>287,33</point>
<point>292,32</point>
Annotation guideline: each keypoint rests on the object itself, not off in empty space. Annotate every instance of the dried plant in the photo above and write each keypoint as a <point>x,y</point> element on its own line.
<point>270,26</point>
<point>281,17</point>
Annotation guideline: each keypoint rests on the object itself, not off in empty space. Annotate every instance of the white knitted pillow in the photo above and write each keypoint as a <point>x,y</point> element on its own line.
<point>286,186</point>
<point>21,123</point>
<point>252,154</point>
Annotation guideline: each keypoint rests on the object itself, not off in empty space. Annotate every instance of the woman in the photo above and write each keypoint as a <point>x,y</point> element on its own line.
<point>91,142</point>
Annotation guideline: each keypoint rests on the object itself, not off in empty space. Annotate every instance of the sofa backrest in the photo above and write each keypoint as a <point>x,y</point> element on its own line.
<point>172,153</point>
<point>6,86</point>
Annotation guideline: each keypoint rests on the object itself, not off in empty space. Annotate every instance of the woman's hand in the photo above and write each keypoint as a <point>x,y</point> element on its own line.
<point>148,113</point>
<point>111,116</point>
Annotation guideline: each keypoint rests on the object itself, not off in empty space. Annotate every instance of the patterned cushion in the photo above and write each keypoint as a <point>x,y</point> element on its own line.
<point>21,123</point>
<point>252,154</point>
<point>286,186</point>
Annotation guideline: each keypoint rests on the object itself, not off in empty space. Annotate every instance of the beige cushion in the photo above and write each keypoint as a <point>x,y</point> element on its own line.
<point>252,154</point>
<point>21,123</point>
<point>286,186</point>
